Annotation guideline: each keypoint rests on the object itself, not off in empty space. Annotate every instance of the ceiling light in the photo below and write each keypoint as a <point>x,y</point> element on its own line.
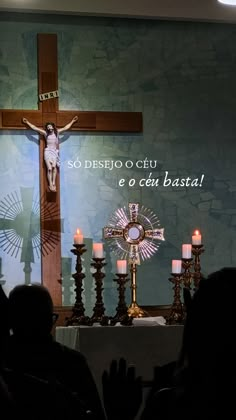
<point>228,2</point>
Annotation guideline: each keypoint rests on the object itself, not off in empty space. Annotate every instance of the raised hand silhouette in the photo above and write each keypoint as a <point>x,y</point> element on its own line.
<point>122,391</point>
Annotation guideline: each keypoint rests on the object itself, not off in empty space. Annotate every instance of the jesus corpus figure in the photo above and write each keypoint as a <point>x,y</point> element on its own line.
<point>51,151</point>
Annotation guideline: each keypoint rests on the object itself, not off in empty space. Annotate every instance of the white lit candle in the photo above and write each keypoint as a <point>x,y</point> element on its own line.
<point>196,238</point>
<point>98,250</point>
<point>186,250</point>
<point>121,266</point>
<point>78,237</point>
<point>176,266</point>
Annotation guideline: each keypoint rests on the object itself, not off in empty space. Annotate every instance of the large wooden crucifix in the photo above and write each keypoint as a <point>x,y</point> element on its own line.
<point>97,121</point>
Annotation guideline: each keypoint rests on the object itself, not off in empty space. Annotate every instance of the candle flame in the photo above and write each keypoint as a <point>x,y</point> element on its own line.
<point>78,231</point>
<point>196,232</point>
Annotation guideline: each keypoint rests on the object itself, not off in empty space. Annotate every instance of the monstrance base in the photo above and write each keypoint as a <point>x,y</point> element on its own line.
<point>136,312</point>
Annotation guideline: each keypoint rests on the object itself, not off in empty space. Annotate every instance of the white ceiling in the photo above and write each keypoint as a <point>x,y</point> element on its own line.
<point>204,10</point>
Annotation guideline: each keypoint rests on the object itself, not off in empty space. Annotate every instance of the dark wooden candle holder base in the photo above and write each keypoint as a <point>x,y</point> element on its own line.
<point>99,308</point>
<point>78,310</point>
<point>177,314</point>
<point>121,309</point>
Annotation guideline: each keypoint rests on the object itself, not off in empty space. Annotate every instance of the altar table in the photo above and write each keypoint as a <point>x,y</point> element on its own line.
<point>142,346</point>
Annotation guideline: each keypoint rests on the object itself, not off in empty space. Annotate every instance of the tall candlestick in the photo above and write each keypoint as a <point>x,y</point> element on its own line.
<point>176,266</point>
<point>98,250</point>
<point>78,237</point>
<point>98,264</point>
<point>186,251</point>
<point>78,317</point>
<point>121,266</point>
<point>197,238</point>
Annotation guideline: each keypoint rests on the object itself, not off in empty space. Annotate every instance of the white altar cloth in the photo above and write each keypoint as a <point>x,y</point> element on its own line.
<point>142,346</point>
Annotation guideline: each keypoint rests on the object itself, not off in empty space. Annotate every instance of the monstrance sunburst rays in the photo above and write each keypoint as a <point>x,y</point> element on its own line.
<point>20,227</point>
<point>131,233</point>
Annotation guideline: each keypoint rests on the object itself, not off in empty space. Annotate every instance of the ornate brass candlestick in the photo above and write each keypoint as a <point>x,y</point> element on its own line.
<point>121,309</point>
<point>197,250</point>
<point>177,312</point>
<point>187,275</point>
<point>78,317</point>
<point>99,309</point>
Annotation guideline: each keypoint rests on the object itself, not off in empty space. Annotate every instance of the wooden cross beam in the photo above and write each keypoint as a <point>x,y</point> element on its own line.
<point>97,121</point>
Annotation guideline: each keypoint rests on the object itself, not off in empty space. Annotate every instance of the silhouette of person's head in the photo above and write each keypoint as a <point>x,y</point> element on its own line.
<point>30,311</point>
<point>210,324</point>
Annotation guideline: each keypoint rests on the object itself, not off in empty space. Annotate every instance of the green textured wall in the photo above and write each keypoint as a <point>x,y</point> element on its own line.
<point>181,75</point>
